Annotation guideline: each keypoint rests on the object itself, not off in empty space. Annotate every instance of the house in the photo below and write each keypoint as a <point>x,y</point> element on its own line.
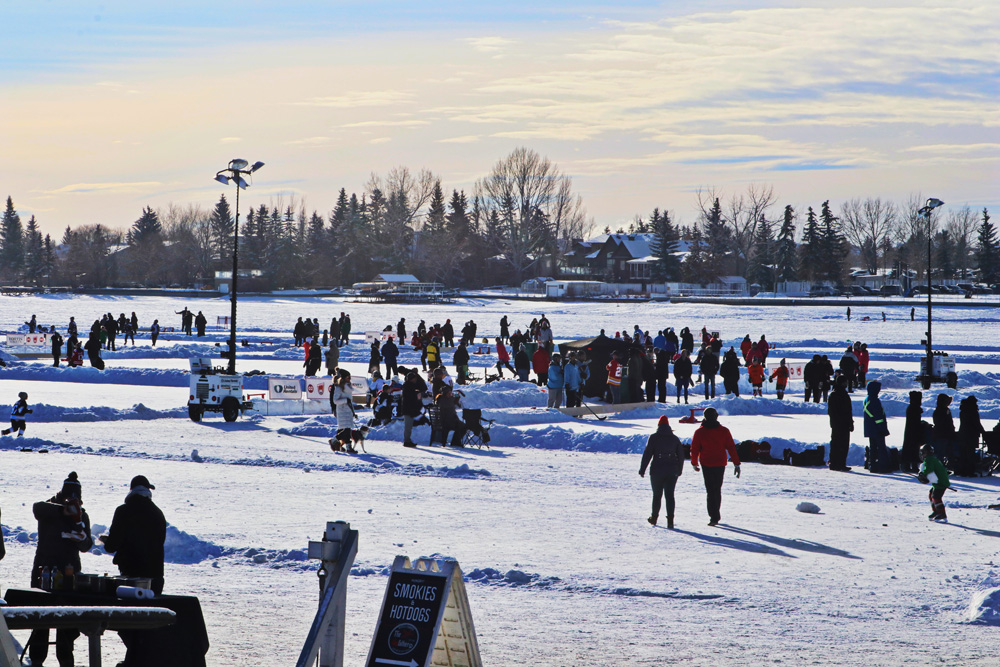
<point>618,258</point>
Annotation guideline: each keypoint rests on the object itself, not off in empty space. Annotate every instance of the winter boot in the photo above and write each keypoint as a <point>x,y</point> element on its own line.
<point>652,520</point>
<point>670,522</point>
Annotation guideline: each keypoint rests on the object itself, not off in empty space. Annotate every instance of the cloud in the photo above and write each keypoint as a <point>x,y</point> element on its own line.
<point>310,141</point>
<point>465,139</point>
<point>79,188</point>
<point>387,123</point>
<point>358,98</point>
<point>491,45</point>
<point>380,140</point>
<point>230,140</point>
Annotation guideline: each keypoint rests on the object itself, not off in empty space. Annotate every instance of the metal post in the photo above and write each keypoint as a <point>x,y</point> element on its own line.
<point>326,635</point>
<point>232,295</point>
<point>928,373</point>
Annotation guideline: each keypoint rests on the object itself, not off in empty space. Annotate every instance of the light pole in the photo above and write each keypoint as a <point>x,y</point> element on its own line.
<point>926,211</point>
<point>234,172</point>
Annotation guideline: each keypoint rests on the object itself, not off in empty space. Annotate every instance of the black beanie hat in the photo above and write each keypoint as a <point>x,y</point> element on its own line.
<point>71,487</point>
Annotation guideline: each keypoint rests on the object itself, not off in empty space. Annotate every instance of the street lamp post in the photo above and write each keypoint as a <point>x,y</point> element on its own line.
<point>926,211</point>
<point>234,172</point>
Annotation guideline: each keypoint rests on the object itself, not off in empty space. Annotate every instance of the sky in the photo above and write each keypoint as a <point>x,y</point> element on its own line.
<point>108,108</point>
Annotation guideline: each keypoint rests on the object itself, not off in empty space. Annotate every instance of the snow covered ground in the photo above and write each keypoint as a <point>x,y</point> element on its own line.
<point>549,525</point>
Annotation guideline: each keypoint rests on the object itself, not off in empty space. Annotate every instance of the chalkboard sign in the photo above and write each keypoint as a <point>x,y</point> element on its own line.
<point>422,600</point>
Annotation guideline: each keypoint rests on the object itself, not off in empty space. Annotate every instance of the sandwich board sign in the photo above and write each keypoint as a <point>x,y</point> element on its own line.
<point>425,619</point>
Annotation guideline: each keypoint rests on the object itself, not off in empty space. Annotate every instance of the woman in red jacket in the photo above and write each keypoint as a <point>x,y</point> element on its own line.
<point>712,446</point>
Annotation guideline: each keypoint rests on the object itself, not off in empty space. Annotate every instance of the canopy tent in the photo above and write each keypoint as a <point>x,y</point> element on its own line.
<point>598,351</point>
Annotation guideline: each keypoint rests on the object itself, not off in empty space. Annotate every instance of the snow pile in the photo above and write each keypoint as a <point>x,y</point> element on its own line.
<point>984,608</point>
<point>180,547</point>
<point>54,413</point>
<point>503,394</point>
<point>159,377</point>
<point>807,508</point>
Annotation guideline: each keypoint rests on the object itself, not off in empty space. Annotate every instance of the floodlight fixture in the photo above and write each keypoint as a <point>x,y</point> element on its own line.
<point>238,164</point>
<point>240,181</point>
<point>222,179</point>
<point>256,165</point>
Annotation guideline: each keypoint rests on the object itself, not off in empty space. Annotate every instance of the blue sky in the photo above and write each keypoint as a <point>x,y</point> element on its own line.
<point>111,107</point>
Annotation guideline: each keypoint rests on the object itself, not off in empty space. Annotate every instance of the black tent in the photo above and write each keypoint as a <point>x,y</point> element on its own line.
<point>598,351</point>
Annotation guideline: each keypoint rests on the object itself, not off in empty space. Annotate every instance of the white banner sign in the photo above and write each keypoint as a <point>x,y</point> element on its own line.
<point>795,369</point>
<point>28,340</point>
<point>284,388</point>
<point>318,389</point>
<point>380,336</point>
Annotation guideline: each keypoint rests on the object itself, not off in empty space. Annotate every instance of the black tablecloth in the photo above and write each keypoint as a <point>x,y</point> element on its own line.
<point>183,644</point>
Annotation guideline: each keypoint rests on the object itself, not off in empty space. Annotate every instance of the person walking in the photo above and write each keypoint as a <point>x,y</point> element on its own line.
<point>63,534</point>
<point>315,359</point>
<point>433,354</point>
<point>448,333</point>
<point>342,404</point>
<point>154,331</point>
<point>780,379</point>
<point>712,447</point>
<point>332,358</point>
<point>664,456</point>
<point>708,367</point>
<point>876,429</point>
<point>504,329</point>
<point>18,416</point>
<point>555,382</point>
<point>522,364</point>
<point>401,330</point>
<point>841,416</point>
<point>390,352</point>
<point>345,330</point>
<point>503,358</point>
<point>913,313</point>
<point>682,374</point>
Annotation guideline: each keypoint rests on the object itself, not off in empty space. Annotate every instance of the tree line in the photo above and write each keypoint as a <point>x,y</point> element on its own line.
<point>515,223</point>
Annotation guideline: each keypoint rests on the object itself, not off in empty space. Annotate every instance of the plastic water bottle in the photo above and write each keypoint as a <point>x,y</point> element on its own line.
<point>46,579</point>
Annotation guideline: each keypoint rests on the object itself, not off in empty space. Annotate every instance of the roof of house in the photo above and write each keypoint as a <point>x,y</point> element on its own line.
<point>396,278</point>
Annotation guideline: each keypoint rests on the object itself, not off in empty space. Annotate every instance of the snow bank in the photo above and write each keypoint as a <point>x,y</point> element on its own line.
<point>984,608</point>
<point>95,413</point>
<point>160,377</point>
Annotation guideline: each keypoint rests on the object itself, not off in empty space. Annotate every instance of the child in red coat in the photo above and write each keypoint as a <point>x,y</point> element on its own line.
<point>781,374</point>
<point>756,372</point>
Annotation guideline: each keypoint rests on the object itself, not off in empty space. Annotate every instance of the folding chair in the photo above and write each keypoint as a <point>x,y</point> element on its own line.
<point>437,427</point>
<point>478,434</point>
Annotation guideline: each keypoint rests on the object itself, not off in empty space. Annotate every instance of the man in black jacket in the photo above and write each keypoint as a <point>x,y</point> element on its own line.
<point>136,537</point>
<point>137,534</point>
<point>448,333</point>
<point>412,404</point>
<point>841,425</point>
<point>461,361</point>
<point>63,534</point>
<point>389,354</point>
<point>57,342</point>
<point>666,454</point>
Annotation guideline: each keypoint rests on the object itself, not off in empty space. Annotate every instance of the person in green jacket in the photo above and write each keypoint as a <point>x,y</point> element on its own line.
<point>933,471</point>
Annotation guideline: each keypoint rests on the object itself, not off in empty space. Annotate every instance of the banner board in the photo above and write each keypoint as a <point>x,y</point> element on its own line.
<point>279,389</point>
<point>795,369</point>
<point>319,388</point>
<point>28,340</point>
<point>380,336</point>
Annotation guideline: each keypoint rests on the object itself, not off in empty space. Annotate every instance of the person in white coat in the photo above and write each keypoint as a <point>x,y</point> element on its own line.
<point>342,405</point>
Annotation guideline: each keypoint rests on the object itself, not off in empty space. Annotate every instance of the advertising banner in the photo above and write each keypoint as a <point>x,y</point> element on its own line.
<point>279,389</point>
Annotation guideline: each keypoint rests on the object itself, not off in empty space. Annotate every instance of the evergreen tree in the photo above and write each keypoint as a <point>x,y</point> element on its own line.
<point>987,252</point>
<point>146,230</point>
<point>695,268</point>
<point>145,239</point>
<point>945,246</point>
<point>834,246</point>
<point>811,249</point>
<point>48,258</point>
<point>718,244</point>
<point>34,260</point>
<point>762,259</point>
<point>11,242</point>
<point>666,266</point>
<point>222,230</point>
<point>785,254</point>
<point>458,217</point>
<point>435,223</point>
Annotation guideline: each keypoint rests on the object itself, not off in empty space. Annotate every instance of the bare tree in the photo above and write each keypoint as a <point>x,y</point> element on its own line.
<point>407,193</point>
<point>192,239</point>
<point>529,207</point>
<point>866,225</point>
<point>963,225</point>
<point>743,213</point>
